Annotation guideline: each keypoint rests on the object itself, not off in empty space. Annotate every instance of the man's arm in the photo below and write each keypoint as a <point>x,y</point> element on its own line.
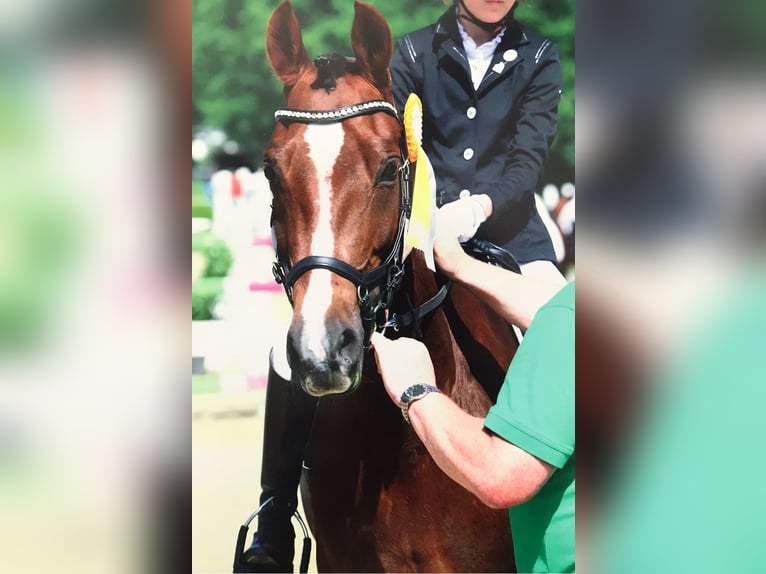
<point>516,297</point>
<point>499,473</point>
<point>494,470</point>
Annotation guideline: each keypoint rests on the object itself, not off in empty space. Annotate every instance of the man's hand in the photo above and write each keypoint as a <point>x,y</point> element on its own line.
<point>402,363</point>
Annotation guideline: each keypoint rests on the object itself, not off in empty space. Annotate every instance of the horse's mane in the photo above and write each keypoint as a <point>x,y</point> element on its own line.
<point>329,68</point>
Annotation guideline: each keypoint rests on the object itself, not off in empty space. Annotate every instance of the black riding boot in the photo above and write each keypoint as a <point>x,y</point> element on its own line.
<point>288,418</point>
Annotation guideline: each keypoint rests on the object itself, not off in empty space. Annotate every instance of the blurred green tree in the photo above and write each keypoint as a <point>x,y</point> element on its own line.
<point>234,88</point>
<point>555,19</point>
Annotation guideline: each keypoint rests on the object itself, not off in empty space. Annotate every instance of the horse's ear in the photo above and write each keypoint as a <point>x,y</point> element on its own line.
<point>284,45</point>
<point>372,45</point>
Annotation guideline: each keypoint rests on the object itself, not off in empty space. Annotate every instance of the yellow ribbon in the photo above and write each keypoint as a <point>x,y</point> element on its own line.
<point>420,232</point>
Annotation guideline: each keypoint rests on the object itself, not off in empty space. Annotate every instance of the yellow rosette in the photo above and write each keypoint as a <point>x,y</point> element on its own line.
<point>420,232</point>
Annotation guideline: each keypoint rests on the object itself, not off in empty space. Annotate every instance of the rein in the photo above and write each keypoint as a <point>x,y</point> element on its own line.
<point>387,276</point>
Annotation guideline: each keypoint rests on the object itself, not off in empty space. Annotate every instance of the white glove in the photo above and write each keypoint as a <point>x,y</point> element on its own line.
<point>463,217</point>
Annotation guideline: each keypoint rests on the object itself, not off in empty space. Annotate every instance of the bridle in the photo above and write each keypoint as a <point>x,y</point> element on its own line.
<point>388,275</point>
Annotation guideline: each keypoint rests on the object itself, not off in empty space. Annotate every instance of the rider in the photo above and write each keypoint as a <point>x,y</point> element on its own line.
<point>494,86</point>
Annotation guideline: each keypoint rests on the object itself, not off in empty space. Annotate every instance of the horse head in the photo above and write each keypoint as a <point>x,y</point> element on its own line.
<point>334,166</point>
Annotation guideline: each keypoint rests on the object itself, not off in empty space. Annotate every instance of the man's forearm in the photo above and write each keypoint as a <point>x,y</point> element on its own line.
<point>456,441</point>
<point>498,473</point>
<point>515,297</point>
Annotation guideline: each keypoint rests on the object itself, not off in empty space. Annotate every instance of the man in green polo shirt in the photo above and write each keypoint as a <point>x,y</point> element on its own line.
<point>535,411</point>
<point>521,456</point>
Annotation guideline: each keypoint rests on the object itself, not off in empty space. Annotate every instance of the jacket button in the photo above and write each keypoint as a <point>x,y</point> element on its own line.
<point>467,154</point>
<point>464,193</point>
<point>471,113</point>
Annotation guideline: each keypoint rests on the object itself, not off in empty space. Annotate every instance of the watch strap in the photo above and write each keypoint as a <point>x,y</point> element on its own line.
<point>407,399</point>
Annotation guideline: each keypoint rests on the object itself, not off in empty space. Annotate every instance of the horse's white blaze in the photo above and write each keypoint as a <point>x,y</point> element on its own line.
<point>324,143</point>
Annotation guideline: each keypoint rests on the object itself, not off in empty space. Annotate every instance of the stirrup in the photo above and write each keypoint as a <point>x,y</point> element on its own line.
<point>239,552</point>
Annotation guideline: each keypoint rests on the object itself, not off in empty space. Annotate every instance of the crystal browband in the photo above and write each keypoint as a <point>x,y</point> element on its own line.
<point>336,115</point>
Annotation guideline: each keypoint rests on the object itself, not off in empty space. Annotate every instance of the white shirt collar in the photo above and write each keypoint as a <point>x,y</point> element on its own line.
<point>472,50</point>
<point>479,57</point>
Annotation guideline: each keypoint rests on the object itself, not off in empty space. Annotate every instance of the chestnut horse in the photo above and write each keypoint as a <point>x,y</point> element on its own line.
<point>374,497</point>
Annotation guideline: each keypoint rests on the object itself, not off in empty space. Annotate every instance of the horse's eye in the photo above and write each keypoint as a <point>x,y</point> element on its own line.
<point>387,174</point>
<point>269,172</point>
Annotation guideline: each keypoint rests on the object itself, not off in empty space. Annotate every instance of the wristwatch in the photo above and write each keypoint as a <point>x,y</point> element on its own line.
<point>412,394</point>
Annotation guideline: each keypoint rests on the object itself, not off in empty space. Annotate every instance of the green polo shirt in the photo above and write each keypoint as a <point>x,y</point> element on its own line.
<point>535,410</point>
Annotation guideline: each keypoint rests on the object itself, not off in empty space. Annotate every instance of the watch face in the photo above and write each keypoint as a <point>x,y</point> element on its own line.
<point>414,392</point>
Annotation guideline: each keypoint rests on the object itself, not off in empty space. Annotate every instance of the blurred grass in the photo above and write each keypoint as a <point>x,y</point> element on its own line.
<point>204,384</point>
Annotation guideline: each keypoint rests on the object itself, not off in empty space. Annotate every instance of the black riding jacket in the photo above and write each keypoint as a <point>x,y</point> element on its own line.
<point>493,140</point>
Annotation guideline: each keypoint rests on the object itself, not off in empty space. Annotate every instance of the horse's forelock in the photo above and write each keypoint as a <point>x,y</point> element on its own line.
<point>329,67</point>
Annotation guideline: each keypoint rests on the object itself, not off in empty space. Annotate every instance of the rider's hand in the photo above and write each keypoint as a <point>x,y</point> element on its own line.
<point>465,215</point>
<point>448,254</point>
<point>402,363</point>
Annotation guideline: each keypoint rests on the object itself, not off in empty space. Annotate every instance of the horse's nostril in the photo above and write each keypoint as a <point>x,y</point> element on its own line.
<point>346,347</point>
<point>347,337</point>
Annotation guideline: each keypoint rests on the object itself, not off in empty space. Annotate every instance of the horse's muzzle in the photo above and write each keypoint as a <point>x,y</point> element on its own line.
<point>321,384</point>
<point>327,361</point>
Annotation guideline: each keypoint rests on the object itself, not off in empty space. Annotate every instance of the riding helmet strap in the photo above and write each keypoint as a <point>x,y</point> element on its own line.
<point>493,27</point>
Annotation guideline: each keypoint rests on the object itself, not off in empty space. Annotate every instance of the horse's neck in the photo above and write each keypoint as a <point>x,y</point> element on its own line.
<point>453,375</point>
<point>466,329</point>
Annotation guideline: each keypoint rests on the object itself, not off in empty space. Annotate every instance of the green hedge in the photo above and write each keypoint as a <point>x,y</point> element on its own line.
<point>207,290</point>
<point>216,251</point>
<point>205,294</point>
<point>201,210</point>
<point>200,205</point>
